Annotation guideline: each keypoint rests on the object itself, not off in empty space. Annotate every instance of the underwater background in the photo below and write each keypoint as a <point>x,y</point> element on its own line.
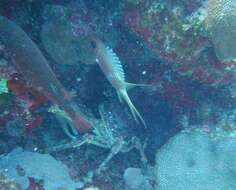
<point>70,117</point>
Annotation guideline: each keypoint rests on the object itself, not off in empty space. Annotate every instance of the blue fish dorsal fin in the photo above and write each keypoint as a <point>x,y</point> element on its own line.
<point>116,63</point>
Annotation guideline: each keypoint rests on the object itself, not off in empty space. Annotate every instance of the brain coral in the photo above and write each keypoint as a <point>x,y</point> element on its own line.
<point>194,161</point>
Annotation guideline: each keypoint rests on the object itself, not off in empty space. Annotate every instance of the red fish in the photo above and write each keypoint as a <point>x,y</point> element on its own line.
<point>34,68</point>
<point>19,88</point>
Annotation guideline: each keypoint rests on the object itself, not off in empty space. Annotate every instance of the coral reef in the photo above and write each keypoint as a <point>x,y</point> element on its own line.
<point>178,48</point>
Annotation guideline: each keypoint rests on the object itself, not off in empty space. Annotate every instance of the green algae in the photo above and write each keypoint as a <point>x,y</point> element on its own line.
<point>3,86</point>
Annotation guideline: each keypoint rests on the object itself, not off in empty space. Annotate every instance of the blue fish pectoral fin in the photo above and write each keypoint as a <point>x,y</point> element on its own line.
<point>132,85</point>
<point>137,116</point>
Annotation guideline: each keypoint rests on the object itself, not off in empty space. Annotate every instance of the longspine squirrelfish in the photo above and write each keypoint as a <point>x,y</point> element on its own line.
<point>111,66</point>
